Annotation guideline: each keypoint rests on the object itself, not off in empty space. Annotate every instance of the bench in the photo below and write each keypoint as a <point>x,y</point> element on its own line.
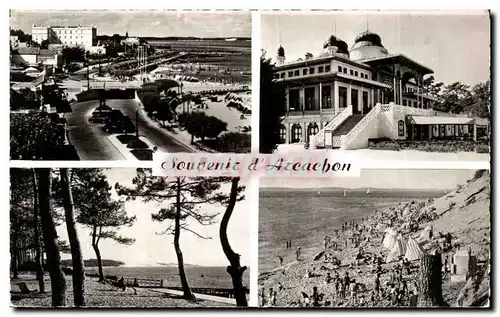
<point>24,288</point>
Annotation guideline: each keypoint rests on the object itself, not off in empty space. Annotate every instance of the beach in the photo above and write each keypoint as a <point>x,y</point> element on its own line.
<point>464,213</point>
<point>102,295</point>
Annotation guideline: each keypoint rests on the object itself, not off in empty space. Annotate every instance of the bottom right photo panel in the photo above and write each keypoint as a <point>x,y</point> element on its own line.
<point>389,238</point>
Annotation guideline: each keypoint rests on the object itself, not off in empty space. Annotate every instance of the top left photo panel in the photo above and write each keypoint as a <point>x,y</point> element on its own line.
<point>122,85</point>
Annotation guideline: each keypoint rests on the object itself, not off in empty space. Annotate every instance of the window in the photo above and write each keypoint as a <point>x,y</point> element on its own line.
<point>404,102</point>
<point>312,129</point>
<point>340,69</point>
<point>296,133</point>
<point>296,73</point>
<point>311,70</point>
<point>294,100</point>
<point>276,76</point>
<point>320,69</point>
<point>327,68</point>
<point>356,73</point>
<point>401,128</point>
<point>304,71</point>
<point>351,72</point>
<point>283,134</point>
<point>290,74</point>
<point>342,97</point>
<point>282,75</point>
<point>345,70</point>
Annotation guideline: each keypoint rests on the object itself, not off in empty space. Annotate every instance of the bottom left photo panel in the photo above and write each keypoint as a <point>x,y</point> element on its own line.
<point>120,237</point>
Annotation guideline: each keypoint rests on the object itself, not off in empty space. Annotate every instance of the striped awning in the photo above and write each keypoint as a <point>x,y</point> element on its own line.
<point>419,120</point>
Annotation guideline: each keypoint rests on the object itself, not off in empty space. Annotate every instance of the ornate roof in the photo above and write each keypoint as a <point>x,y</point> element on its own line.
<point>368,38</point>
<point>281,51</point>
<point>334,41</point>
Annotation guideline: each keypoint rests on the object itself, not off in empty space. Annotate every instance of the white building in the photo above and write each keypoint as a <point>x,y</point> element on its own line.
<point>84,36</point>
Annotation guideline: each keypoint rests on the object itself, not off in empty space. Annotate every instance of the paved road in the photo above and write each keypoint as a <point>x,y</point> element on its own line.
<point>218,299</point>
<point>91,142</point>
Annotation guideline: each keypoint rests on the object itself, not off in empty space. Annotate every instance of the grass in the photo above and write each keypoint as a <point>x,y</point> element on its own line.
<point>137,144</point>
<point>126,138</point>
<point>143,154</point>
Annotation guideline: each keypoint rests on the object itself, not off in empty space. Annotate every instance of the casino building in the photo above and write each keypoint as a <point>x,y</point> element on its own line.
<point>343,97</point>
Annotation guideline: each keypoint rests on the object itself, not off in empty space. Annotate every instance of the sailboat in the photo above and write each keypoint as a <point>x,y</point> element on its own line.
<point>368,191</point>
<point>345,193</point>
<point>319,193</point>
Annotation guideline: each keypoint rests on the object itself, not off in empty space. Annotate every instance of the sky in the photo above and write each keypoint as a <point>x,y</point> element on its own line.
<point>150,249</point>
<point>456,45</point>
<point>141,23</point>
<point>387,179</point>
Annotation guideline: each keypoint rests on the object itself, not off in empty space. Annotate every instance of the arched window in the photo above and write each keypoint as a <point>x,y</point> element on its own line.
<point>401,128</point>
<point>313,129</point>
<point>296,133</point>
<point>282,134</point>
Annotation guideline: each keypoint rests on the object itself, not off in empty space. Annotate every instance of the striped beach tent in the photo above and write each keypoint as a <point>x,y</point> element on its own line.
<point>389,238</point>
<point>396,251</point>
<point>413,250</point>
<point>427,234</point>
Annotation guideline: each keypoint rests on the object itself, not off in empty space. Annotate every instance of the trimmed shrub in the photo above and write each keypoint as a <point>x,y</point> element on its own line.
<point>482,148</point>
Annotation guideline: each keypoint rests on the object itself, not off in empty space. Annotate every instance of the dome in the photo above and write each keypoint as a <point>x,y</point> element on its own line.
<point>367,36</point>
<point>367,45</point>
<point>341,45</point>
<point>281,51</point>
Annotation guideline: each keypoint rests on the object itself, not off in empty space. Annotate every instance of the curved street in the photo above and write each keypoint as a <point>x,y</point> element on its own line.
<point>92,143</point>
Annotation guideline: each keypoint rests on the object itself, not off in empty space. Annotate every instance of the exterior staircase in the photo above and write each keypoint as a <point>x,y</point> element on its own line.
<point>348,124</point>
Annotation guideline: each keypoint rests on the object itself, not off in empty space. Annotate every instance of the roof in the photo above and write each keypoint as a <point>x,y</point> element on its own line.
<point>419,120</point>
<point>399,57</point>
<point>28,50</point>
<point>319,60</point>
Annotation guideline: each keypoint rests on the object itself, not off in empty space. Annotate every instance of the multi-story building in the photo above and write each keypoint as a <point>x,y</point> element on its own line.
<point>342,97</point>
<point>83,36</point>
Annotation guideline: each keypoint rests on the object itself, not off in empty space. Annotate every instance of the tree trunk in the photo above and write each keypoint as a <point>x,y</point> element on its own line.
<point>15,258</point>
<point>57,279</point>
<point>38,257</point>
<point>234,269</point>
<point>177,233</point>
<point>95,246</point>
<point>76,251</point>
<point>431,293</point>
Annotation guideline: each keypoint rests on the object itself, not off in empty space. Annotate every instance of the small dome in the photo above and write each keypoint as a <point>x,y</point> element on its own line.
<point>281,51</point>
<point>367,38</point>
<point>341,45</point>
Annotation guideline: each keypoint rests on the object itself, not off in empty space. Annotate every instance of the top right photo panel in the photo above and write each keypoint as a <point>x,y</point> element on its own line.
<point>391,85</point>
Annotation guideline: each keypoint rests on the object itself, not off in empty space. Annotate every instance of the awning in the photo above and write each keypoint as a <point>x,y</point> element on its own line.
<point>419,120</point>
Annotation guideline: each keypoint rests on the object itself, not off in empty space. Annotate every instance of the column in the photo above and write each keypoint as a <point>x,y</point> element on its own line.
<point>287,93</point>
<point>303,98</point>
<point>394,89</point>
<point>475,132</point>
<point>349,101</point>
<point>320,97</point>
<point>400,92</point>
<point>336,96</point>
<point>430,132</point>
<point>288,134</point>
<point>305,137</point>
<point>372,100</point>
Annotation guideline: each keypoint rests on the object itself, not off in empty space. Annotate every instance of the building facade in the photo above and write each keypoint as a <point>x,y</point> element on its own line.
<point>83,36</point>
<point>336,99</point>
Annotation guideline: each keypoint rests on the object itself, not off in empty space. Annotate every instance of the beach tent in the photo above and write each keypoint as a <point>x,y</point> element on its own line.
<point>426,234</point>
<point>413,250</point>
<point>389,238</point>
<point>396,251</point>
<point>403,242</point>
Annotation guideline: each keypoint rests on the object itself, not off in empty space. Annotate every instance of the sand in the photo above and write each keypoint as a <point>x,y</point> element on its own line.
<point>100,295</point>
<point>464,213</point>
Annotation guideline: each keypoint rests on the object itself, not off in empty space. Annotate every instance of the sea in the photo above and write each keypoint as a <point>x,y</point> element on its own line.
<point>306,216</point>
<point>197,276</point>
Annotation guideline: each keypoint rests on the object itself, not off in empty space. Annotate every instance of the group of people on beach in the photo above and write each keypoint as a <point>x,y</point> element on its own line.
<point>347,289</point>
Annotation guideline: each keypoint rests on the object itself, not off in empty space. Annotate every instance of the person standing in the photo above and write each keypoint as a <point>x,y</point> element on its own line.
<point>297,253</point>
<point>280,259</point>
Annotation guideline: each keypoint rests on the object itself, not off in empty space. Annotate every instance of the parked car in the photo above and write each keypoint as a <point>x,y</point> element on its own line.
<point>123,126</point>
